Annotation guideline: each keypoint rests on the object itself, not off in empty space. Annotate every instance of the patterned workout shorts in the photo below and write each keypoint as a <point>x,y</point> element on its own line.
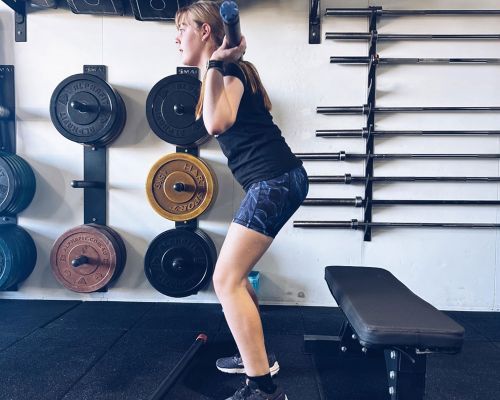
<point>270,203</point>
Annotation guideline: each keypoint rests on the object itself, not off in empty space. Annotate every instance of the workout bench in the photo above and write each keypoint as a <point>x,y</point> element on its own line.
<point>384,315</point>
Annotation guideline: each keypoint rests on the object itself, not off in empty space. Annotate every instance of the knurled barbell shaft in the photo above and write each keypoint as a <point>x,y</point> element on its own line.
<point>365,109</point>
<point>363,133</point>
<point>341,156</point>
<point>356,12</point>
<point>179,368</point>
<point>4,113</point>
<point>403,36</point>
<point>391,61</point>
<point>348,179</point>
<point>360,202</point>
<point>355,224</point>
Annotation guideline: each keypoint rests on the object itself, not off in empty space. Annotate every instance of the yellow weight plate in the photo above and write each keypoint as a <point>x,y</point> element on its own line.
<point>181,186</point>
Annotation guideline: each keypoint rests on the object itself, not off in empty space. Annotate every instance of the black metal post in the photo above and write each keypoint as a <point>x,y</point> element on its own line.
<point>405,374</point>
<point>314,22</point>
<point>94,172</point>
<point>19,7</point>
<point>192,223</point>
<point>7,109</point>
<point>370,122</point>
<point>8,121</point>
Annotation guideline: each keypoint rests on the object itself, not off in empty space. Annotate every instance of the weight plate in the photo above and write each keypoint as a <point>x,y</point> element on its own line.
<point>7,184</point>
<point>17,184</point>
<point>121,253</point>
<point>84,258</point>
<point>23,241</point>
<point>179,262</point>
<point>17,255</point>
<point>181,187</point>
<point>170,110</point>
<point>6,262</point>
<point>85,109</point>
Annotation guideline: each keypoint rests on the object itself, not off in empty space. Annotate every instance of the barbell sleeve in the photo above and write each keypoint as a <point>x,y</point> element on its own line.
<point>230,15</point>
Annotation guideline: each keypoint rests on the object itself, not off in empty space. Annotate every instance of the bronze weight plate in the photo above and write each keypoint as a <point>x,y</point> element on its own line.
<point>84,259</point>
<point>181,187</point>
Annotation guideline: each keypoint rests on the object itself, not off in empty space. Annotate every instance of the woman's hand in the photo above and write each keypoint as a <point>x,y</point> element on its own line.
<point>227,54</point>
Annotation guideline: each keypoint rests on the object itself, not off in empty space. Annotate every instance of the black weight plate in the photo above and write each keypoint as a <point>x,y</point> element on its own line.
<point>44,3</point>
<point>7,183</point>
<point>17,255</point>
<point>179,262</point>
<point>155,10</point>
<point>24,184</point>
<point>84,108</point>
<point>211,247</point>
<point>6,260</point>
<point>121,253</point>
<point>99,7</point>
<point>170,110</point>
<point>119,123</point>
<point>23,242</point>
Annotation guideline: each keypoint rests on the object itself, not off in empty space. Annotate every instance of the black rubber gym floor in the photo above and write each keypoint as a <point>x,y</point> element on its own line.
<point>71,350</point>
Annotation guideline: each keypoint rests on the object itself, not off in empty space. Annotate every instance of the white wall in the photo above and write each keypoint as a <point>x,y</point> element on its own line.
<point>452,269</point>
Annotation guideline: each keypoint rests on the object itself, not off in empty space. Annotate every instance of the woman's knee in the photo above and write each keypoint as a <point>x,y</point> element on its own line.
<point>226,282</point>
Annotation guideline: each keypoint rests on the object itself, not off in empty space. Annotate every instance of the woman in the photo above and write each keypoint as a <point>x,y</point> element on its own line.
<point>235,109</point>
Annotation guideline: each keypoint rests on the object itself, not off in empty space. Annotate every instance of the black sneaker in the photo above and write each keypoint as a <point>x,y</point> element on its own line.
<point>251,391</point>
<point>234,365</point>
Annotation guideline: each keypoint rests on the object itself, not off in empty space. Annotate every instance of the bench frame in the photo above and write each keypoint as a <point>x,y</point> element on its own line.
<point>406,366</point>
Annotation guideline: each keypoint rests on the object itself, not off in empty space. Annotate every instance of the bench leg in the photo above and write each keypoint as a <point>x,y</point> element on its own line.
<point>405,374</point>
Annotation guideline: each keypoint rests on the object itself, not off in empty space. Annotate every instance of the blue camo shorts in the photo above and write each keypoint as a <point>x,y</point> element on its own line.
<point>269,204</point>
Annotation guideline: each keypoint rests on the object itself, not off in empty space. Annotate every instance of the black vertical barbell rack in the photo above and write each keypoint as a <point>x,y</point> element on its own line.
<point>369,109</point>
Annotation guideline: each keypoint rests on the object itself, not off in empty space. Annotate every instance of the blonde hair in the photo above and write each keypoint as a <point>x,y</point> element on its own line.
<point>204,11</point>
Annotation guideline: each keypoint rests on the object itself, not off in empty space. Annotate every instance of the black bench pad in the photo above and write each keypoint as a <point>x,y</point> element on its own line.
<point>384,312</point>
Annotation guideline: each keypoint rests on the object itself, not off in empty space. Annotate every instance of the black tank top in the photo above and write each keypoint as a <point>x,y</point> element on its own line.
<point>254,146</point>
